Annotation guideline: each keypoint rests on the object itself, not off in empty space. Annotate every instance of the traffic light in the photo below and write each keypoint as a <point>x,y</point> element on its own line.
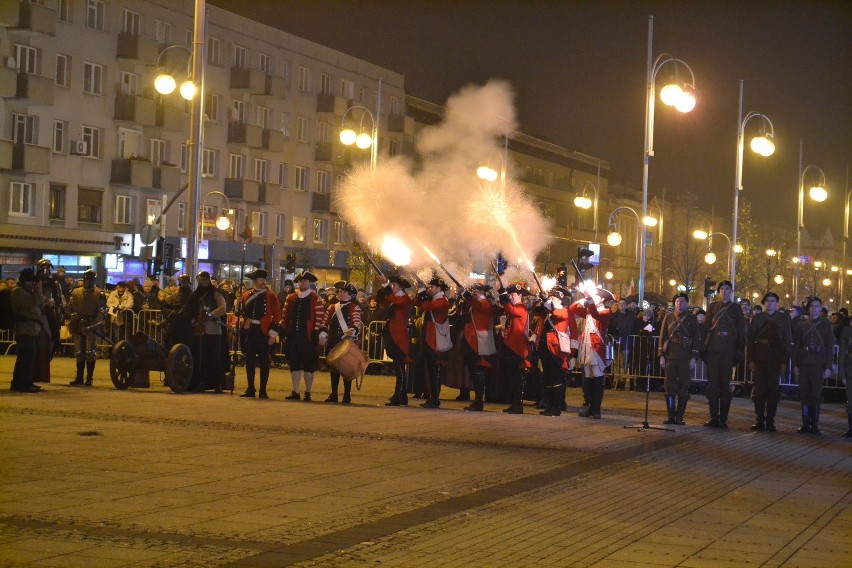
<point>155,263</point>
<point>584,256</point>
<point>709,287</point>
<point>290,263</point>
<point>501,264</point>
<point>168,258</point>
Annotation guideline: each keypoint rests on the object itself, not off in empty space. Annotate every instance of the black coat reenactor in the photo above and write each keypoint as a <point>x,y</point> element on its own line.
<point>678,349</point>
<point>724,336</point>
<point>813,355</point>
<point>769,342</point>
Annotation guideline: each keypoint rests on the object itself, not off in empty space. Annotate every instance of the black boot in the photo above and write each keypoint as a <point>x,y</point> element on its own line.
<point>335,382</point>
<point>585,412</point>
<point>771,409</point>
<point>434,400</point>
<point>724,408</point>
<point>848,433</point>
<point>347,392</point>
<point>264,379</point>
<point>554,407</point>
<point>681,410</point>
<point>598,386</point>
<point>78,379</point>
<point>815,419</point>
<point>670,408</point>
<point>464,395</point>
<point>250,379</point>
<point>517,397</point>
<point>402,394</point>
<point>478,391</point>
<point>90,373</point>
<point>759,424</point>
<point>394,398</point>
<point>806,420</point>
<point>714,414</point>
<point>563,406</point>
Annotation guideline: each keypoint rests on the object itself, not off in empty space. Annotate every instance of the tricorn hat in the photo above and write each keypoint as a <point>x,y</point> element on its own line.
<point>351,288</point>
<point>436,281</point>
<point>481,286</point>
<point>256,273</point>
<point>303,275</point>
<point>340,285</point>
<point>517,288</point>
<point>560,290</point>
<point>605,295</point>
<point>403,283</point>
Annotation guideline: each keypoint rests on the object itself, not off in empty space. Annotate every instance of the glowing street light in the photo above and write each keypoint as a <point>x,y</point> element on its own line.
<point>779,279</point>
<point>816,192</point>
<point>223,222</point>
<point>165,83</point>
<point>614,238</point>
<point>700,234</point>
<point>362,139</point>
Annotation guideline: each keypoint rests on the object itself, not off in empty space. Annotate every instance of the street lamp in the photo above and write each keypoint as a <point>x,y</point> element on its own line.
<point>614,238</point>
<point>361,139</point>
<point>818,193</point>
<point>165,83</point>
<point>763,145</point>
<point>584,202</point>
<point>710,257</point>
<point>682,97</point>
<point>223,222</point>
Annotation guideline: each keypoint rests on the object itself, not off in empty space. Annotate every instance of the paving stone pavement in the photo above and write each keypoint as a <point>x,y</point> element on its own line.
<point>105,478</point>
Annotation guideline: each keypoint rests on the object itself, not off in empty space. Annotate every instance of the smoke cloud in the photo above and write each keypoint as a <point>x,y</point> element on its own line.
<point>436,209</point>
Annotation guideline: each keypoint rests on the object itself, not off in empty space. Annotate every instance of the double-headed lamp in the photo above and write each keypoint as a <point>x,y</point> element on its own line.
<point>818,193</point>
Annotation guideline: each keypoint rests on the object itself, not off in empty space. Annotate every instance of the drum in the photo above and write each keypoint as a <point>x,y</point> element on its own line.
<point>348,359</point>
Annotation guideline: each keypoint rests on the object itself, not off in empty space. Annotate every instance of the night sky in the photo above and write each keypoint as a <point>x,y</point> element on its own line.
<point>579,69</point>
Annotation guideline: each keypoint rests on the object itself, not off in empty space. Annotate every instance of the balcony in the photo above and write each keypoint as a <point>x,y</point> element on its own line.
<point>138,173</point>
<point>136,109</point>
<point>8,82</point>
<point>333,104</point>
<point>396,123</point>
<point>273,140</point>
<point>136,47</point>
<point>170,117</point>
<point>38,90</point>
<point>249,134</point>
<point>31,159</point>
<point>245,189</point>
<point>251,80</point>
<point>167,178</point>
<point>323,152</point>
<point>28,16</point>
<point>269,194</point>
<point>321,202</point>
<point>7,148</point>
<point>276,87</point>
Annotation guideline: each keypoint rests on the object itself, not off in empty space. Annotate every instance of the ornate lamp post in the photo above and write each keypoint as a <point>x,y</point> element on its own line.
<point>817,193</point>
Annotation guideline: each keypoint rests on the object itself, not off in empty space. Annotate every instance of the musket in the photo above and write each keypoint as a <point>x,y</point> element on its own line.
<point>537,281</point>
<point>453,278</point>
<point>580,277</point>
<point>497,274</point>
<point>375,266</point>
<point>417,278</point>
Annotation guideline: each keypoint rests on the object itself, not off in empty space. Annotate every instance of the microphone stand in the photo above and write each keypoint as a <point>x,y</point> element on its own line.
<point>645,425</point>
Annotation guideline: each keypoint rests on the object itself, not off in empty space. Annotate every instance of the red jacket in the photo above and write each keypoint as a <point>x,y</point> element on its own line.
<point>515,334</point>
<point>315,318</point>
<point>437,308</point>
<point>397,325</point>
<point>273,309</point>
<point>559,318</point>
<point>601,316</point>
<point>481,319</point>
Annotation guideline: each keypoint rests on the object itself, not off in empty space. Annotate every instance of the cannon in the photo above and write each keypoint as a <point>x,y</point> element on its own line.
<point>134,357</point>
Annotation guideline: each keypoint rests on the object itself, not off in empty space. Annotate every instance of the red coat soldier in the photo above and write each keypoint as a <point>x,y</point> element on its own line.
<point>436,334</point>
<point>478,349</point>
<point>303,316</point>
<point>516,346</point>
<point>395,335</point>
<point>591,348</point>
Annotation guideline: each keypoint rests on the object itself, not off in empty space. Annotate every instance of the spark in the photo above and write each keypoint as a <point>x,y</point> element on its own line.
<point>395,250</point>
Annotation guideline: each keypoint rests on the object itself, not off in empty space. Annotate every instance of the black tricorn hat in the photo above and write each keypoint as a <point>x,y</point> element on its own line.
<point>517,288</point>
<point>352,289</point>
<point>403,283</point>
<point>557,290</point>
<point>340,285</point>
<point>439,283</point>
<point>256,273</point>
<point>482,287</point>
<point>305,275</point>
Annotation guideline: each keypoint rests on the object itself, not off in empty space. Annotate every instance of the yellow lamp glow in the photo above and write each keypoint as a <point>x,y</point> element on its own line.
<point>738,248</point>
<point>835,268</point>
<point>686,101</point>
<point>771,252</point>
<point>763,145</point>
<point>699,234</point>
<point>223,223</point>
<point>672,282</point>
<point>710,258</point>
<point>650,221</point>
<point>363,140</point>
<point>582,202</point>
<point>487,173</point>
<point>188,90</point>
<point>608,275</point>
<point>347,136</point>
<point>779,279</point>
<point>165,84</point>
<point>826,282</point>
<point>818,193</point>
<point>670,94</point>
<point>818,264</point>
<point>614,238</point>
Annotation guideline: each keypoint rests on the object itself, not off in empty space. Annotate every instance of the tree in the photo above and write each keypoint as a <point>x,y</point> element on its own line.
<point>686,260</point>
<point>360,271</point>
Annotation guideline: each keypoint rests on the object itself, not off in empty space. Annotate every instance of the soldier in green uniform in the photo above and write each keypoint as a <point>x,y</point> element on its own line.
<point>769,342</point>
<point>678,350</point>
<point>813,354</point>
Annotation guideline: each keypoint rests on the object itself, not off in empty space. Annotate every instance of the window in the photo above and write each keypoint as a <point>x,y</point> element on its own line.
<point>122,209</point>
<point>302,178</point>
<point>56,205</point>
<point>323,132</point>
<point>25,129</point>
<point>184,158</point>
<point>261,170</point>
<point>304,79</point>
<point>323,181</point>
<point>163,32</point>
<point>60,135</point>
<point>300,227</point>
<point>129,83</point>
<point>240,57</point>
<point>325,84</point>
<point>92,138</point>
<point>89,201</point>
<point>181,217</point>
<point>258,223</point>
<point>95,14</point>
<point>236,166</point>
<point>362,94</point>
<point>347,89</point>
<point>211,106</point>
<point>159,151</point>
<point>393,150</point>
<point>214,51</point>
<point>394,106</point>
<point>302,129</point>
<point>283,174</point>
<point>63,11</point>
<point>320,230</point>
<point>263,63</point>
<point>21,197</point>
<point>187,42</point>
<point>263,116</point>
<point>339,233</point>
<point>285,71</point>
<point>239,110</point>
<point>285,125</point>
<point>209,162</point>
<point>130,23</point>
<point>338,181</point>
<point>27,58</point>
<point>279,226</point>
<point>93,75</point>
<point>63,67</point>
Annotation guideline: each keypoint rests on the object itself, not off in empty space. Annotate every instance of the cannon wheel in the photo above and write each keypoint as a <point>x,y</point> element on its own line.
<point>121,365</point>
<point>179,368</point>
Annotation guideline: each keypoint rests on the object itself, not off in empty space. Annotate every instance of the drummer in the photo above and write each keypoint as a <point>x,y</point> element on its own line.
<point>342,322</point>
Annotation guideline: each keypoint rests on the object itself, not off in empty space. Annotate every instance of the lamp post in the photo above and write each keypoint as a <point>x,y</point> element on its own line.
<point>763,145</point>
<point>817,193</point>
<point>682,97</point>
<point>196,126</point>
<point>614,238</point>
<point>361,139</point>
<point>710,257</point>
<point>222,222</point>
<point>584,202</point>
<point>843,271</point>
